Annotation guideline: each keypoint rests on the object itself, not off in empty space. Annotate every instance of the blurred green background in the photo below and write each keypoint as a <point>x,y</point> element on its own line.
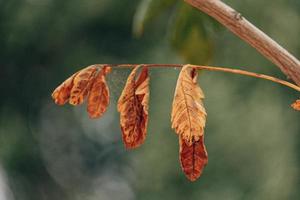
<point>51,152</point>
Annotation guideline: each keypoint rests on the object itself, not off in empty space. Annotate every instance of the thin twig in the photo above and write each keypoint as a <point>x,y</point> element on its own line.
<point>236,23</point>
<point>246,73</point>
<point>211,68</point>
<point>148,65</point>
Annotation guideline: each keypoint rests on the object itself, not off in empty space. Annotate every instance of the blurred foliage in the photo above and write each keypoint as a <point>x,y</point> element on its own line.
<point>147,11</point>
<point>51,152</point>
<point>190,30</point>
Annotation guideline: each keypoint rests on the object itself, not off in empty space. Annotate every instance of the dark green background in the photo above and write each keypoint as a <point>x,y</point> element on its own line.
<point>52,152</point>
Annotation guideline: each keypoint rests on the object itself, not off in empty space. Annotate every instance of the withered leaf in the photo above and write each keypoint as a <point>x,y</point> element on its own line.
<point>81,84</point>
<point>133,108</point>
<point>188,113</point>
<point>90,82</point>
<point>296,105</point>
<point>98,99</point>
<point>188,119</point>
<point>61,94</point>
<point>193,158</point>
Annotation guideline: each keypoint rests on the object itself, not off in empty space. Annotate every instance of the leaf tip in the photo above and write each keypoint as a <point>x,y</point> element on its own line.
<point>296,105</point>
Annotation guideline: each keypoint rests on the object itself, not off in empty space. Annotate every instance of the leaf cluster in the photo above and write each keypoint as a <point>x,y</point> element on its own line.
<point>188,113</point>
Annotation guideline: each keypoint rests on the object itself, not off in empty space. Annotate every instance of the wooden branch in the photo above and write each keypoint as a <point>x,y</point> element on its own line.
<point>236,23</point>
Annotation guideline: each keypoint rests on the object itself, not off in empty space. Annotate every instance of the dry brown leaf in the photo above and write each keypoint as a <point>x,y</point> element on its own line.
<point>98,99</point>
<point>89,81</point>
<point>193,158</point>
<point>81,84</point>
<point>188,113</point>
<point>133,108</point>
<point>61,94</point>
<point>296,105</point>
<point>188,119</point>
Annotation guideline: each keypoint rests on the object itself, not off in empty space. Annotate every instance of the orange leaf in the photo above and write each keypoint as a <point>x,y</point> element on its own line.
<point>81,84</point>
<point>296,105</point>
<point>133,108</point>
<point>193,158</point>
<point>98,99</point>
<point>90,82</point>
<point>61,94</point>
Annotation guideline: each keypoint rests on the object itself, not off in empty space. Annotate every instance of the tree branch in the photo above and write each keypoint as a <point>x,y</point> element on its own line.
<point>234,21</point>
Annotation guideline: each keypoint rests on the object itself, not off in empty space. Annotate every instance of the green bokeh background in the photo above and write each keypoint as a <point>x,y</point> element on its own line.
<point>52,152</point>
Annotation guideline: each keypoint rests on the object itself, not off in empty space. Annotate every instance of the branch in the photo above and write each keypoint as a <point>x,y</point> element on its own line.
<point>210,68</point>
<point>234,21</point>
<point>246,73</point>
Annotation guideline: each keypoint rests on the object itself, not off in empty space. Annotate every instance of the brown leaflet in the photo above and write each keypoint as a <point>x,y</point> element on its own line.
<point>61,94</point>
<point>133,108</point>
<point>81,84</point>
<point>188,113</point>
<point>188,119</point>
<point>193,158</point>
<point>98,99</point>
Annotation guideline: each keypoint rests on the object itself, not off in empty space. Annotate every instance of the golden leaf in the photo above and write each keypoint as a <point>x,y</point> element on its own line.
<point>188,113</point>
<point>133,108</point>
<point>296,105</point>
<point>98,99</point>
<point>81,84</point>
<point>193,158</point>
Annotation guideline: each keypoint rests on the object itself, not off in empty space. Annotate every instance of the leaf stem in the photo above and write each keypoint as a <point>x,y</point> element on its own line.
<point>222,69</point>
<point>252,74</point>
